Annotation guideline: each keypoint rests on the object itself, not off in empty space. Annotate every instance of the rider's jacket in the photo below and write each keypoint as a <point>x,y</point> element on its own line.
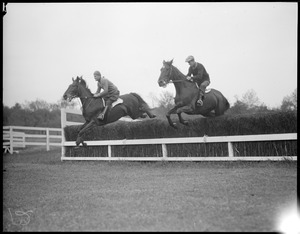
<point>109,89</point>
<point>199,73</point>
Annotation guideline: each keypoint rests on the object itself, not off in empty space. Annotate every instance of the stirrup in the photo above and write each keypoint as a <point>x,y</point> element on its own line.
<point>199,102</point>
<point>101,116</point>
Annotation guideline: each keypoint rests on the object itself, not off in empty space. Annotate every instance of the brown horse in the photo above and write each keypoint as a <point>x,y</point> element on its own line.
<point>132,105</point>
<point>214,103</point>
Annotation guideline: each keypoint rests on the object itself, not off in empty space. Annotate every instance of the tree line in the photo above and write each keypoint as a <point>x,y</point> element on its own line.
<point>249,103</point>
<point>39,113</point>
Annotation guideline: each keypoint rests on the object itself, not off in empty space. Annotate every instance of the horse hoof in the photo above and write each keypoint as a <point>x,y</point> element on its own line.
<point>84,144</point>
<point>186,123</point>
<point>78,142</point>
<point>101,117</point>
<point>174,126</point>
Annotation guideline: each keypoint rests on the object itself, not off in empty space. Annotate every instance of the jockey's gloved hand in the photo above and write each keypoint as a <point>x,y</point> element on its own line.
<point>189,78</point>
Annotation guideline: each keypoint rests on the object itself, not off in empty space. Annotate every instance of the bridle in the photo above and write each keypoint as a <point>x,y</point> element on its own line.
<point>84,97</point>
<point>169,76</point>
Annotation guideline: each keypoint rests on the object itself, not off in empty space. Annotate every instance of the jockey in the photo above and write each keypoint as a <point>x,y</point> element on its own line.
<point>110,92</point>
<point>200,76</point>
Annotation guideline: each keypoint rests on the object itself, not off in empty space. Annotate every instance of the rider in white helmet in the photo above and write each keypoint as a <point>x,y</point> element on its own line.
<point>198,74</point>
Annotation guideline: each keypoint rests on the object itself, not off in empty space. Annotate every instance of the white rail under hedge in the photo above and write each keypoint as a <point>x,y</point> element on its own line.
<point>165,141</point>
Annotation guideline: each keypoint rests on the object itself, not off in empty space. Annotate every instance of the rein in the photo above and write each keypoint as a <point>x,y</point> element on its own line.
<point>84,97</point>
<point>86,100</point>
<point>174,81</point>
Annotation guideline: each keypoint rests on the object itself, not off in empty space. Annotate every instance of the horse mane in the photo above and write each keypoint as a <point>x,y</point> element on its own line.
<point>178,72</point>
<point>83,82</point>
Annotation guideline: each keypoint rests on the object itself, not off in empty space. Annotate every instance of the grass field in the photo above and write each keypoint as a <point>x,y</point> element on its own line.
<point>41,193</point>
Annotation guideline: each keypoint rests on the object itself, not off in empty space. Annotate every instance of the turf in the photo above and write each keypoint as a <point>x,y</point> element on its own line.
<point>41,193</point>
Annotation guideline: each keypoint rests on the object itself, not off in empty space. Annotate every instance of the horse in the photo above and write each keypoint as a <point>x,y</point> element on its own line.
<point>214,103</point>
<point>130,104</point>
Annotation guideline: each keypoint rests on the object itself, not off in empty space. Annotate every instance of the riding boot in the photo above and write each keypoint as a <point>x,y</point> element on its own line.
<point>102,114</point>
<point>200,98</point>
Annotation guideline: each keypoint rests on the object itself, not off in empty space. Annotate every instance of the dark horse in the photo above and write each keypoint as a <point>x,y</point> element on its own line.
<point>214,104</point>
<point>132,105</point>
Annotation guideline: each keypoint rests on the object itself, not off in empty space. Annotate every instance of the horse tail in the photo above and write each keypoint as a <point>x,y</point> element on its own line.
<point>222,103</point>
<point>227,105</point>
<point>140,99</point>
<point>143,107</point>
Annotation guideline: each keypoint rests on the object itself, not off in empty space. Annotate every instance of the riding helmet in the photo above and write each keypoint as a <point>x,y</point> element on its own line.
<point>189,58</point>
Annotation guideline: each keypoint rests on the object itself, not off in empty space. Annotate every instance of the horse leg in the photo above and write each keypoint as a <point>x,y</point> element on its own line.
<point>211,114</point>
<point>83,125</point>
<point>146,110</point>
<point>79,139</point>
<point>115,114</point>
<point>187,109</point>
<point>87,127</point>
<point>223,105</point>
<point>181,120</point>
<point>172,111</point>
<point>150,114</point>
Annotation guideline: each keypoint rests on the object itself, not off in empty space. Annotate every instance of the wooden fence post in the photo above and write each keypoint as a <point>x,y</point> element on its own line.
<point>11,140</point>
<point>230,150</point>
<point>63,119</point>
<point>164,151</point>
<point>47,139</point>
<point>109,150</point>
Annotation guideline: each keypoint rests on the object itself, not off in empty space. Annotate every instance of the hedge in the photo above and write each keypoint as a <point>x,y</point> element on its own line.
<point>226,125</point>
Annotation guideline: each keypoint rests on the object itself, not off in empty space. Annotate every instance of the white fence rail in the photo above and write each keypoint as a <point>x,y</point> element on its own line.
<point>16,139</point>
<point>165,141</point>
<point>21,136</point>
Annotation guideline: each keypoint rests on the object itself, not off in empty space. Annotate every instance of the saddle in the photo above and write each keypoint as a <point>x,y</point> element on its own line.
<point>207,90</point>
<point>117,102</point>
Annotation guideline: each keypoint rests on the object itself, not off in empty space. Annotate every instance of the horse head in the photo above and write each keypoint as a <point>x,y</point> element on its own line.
<point>165,74</point>
<point>75,89</point>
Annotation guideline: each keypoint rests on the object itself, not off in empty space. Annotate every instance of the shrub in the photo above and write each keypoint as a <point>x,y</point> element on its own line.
<point>226,125</point>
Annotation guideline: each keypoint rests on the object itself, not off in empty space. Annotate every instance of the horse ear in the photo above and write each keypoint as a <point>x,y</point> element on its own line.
<point>73,78</point>
<point>171,61</point>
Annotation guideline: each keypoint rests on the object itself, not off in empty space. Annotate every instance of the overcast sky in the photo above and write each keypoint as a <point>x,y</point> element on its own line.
<point>243,46</point>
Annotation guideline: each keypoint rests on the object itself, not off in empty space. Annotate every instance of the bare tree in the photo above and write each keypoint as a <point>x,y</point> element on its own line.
<point>289,102</point>
<point>165,99</point>
<point>248,104</point>
<point>250,99</point>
